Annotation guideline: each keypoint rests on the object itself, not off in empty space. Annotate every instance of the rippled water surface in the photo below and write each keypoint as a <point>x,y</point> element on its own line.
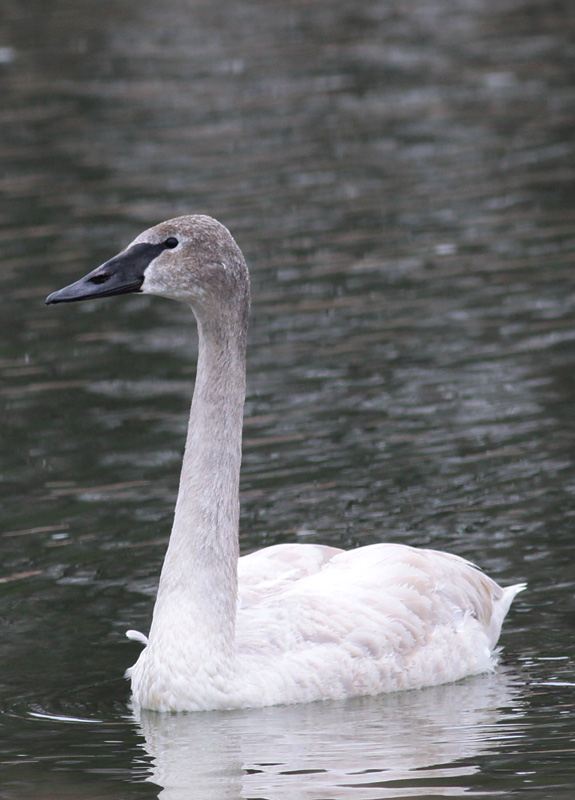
<point>400,178</point>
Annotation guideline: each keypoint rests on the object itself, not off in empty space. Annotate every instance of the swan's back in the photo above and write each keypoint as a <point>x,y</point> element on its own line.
<point>380,618</point>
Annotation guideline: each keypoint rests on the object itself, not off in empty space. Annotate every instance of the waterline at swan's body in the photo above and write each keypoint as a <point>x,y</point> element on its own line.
<point>291,623</point>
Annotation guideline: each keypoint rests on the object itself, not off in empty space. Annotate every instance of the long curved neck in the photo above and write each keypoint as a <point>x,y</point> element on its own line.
<point>198,586</point>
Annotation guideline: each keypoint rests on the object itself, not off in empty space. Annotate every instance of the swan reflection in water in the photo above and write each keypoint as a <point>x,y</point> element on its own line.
<point>397,745</point>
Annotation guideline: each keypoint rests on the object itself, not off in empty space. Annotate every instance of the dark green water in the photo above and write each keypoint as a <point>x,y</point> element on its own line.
<point>400,178</point>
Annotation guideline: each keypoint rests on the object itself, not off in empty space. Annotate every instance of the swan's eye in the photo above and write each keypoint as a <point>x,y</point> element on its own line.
<point>171,243</point>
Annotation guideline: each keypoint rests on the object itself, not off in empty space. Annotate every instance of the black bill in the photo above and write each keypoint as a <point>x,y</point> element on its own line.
<point>122,274</point>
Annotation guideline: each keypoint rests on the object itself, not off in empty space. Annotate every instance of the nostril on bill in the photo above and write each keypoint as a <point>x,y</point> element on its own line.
<point>101,278</point>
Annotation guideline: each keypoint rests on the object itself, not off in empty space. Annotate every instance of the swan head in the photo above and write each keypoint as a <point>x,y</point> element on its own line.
<point>193,259</point>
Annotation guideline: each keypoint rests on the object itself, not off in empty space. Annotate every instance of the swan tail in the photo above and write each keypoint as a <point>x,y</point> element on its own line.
<point>500,609</point>
<point>508,596</point>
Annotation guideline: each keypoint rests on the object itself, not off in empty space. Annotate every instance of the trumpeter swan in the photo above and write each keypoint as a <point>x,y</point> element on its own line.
<point>290,623</point>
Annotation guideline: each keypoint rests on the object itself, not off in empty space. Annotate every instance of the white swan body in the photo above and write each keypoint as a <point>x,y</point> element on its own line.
<point>291,623</point>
